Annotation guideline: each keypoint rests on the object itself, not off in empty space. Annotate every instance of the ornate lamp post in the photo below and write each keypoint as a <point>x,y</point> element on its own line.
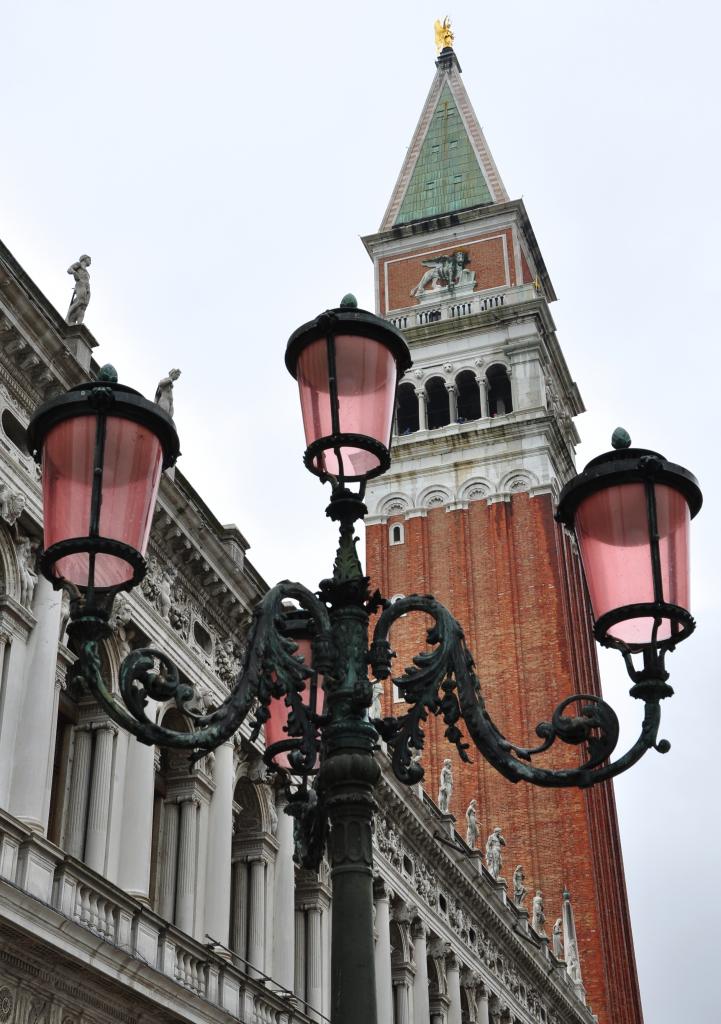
<point>102,449</point>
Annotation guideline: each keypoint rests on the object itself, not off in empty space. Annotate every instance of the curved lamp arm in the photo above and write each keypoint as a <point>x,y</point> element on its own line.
<point>270,669</point>
<point>443,682</point>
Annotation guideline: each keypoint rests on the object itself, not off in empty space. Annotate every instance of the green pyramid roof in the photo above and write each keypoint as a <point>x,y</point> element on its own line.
<point>447,175</point>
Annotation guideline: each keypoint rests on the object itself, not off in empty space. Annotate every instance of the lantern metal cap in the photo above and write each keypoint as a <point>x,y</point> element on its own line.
<point>346,319</point>
<point>625,466</point>
<point>111,398</point>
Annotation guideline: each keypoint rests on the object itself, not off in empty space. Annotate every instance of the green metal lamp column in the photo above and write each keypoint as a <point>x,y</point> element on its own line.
<point>347,777</point>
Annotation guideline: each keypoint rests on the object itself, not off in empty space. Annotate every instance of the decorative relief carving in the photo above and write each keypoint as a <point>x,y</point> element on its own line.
<point>435,498</point>
<point>394,506</point>
<point>477,492</point>
<point>7,1004</point>
<point>11,504</point>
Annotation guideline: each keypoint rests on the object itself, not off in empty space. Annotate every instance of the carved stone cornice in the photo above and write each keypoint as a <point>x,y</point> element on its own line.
<point>15,619</point>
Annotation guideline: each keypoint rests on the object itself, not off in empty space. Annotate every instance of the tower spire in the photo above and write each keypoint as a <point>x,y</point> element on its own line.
<point>448,166</point>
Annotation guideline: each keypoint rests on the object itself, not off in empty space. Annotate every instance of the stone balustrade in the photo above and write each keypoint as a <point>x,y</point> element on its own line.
<point>73,894</point>
<point>449,309</point>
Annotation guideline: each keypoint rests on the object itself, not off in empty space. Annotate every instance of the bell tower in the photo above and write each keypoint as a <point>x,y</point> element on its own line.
<point>485,440</point>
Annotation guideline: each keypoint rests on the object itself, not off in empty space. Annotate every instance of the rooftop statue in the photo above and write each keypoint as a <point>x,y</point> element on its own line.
<point>164,392</point>
<point>494,861</point>
<point>445,787</point>
<point>81,292</point>
<point>471,825</point>
<point>444,34</point>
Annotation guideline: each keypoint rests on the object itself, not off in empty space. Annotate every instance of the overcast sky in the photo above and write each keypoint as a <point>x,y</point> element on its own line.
<point>219,162</point>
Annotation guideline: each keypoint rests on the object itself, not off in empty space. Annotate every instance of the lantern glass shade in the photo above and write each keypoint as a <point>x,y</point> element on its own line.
<point>275,726</point>
<point>365,378</point>
<point>614,536</point>
<point>131,466</point>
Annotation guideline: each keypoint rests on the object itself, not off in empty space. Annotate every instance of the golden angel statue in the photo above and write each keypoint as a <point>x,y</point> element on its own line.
<point>444,34</point>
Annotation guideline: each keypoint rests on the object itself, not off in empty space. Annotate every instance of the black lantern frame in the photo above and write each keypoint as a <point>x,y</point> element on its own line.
<point>360,323</point>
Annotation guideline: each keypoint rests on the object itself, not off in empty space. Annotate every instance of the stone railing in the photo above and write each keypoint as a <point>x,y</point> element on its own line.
<point>71,892</point>
<point>449,309</point>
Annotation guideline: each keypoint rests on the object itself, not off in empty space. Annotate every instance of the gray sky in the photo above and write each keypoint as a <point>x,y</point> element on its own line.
<point>219,162</point>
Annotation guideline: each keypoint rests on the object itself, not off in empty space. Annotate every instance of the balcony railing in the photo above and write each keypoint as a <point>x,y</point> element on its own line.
<point>419,316</point>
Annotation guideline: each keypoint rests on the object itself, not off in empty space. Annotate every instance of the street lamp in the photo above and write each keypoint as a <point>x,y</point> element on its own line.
<point>102,448</point>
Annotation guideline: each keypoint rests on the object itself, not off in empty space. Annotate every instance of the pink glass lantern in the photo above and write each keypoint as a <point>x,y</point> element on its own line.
<point>631,511</point>
<point>103,448</point>
<point>297,626</point>
<point>347,363</point>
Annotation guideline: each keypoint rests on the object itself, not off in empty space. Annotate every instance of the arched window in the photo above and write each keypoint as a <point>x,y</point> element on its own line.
<point>15,431</point>
<point>469,396</point>
<point>407,412</point>
<point>499,390</point>
<point>395,534</point>
<point>439,409</point>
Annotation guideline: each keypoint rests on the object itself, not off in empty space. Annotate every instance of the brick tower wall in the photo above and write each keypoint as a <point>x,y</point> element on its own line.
<point>508,574</point>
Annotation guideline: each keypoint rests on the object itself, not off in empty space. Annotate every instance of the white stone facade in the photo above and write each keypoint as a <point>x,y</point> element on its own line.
<point>133,888</point>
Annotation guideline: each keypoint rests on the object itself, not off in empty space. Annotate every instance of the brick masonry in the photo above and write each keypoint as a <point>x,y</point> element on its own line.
<point>507,572</point>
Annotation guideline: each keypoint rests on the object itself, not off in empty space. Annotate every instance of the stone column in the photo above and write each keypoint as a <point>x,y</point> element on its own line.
<point>452,401</point>
<point>168,860</point>
<point>314,963</point>
<point>384,984</point>
<point>220,841</point>
<point>33,761</point>
<point>13,678</point>
<point>79,791</point>
<point>239,931</point>
<point>136,836</point>
<point>421,1008</point>
<point>282,969</point>
<point>299,951</point>
<point>299,958</point>
<point>483,1016</point>
<point>96,833</point>
<point>187,862</point>
<point>453,981</point>
<point>422,412</point>
<point>256,915</point>
<point>483,388</point>
<point>402,1002</point>
<point>114,836</point>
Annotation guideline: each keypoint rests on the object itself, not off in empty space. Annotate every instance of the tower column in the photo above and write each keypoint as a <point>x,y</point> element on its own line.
<point>452,401</point>
<point>422,410</point>
<point>483,392</point>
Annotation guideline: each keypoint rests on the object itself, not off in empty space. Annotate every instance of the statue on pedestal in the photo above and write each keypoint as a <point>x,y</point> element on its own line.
<point>494,861</point>
<point>519,889</point>
<point>558,939</point>
<point>446,786</point>
<point>81,292</point>
<point>538,916</point>
<point>471,825</point>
